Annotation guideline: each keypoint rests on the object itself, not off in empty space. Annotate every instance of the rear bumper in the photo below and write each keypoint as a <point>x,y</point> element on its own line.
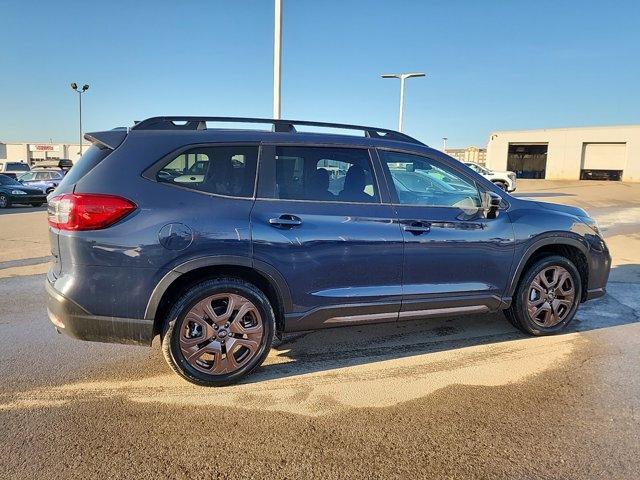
<point>73,320</point>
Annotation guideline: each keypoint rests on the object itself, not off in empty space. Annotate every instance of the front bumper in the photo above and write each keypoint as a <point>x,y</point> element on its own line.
<point>596,293</point>
<point>19,199</point>
<point>73,320</point>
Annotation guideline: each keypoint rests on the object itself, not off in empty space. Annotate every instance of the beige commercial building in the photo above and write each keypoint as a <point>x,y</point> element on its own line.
<point>470,154</point>
<point>600,153</point>
<point>35,153</point>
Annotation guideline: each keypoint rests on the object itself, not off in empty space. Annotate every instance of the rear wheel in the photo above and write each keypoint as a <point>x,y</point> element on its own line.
<point>4,201</point>
<point>547,297</point>
<point>219,331</point>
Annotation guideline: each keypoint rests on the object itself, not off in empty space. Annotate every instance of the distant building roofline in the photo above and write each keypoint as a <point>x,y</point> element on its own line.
<point>586,127</point>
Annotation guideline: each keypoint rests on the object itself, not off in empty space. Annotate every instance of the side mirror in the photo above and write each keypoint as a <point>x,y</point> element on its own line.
<point>492,204</point>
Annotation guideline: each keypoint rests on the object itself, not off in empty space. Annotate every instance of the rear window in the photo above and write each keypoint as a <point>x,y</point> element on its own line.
<point>17,167</point>
<point>84,165</point>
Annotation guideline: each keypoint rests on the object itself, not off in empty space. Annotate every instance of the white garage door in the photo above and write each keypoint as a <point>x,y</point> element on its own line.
<point>604,156</point>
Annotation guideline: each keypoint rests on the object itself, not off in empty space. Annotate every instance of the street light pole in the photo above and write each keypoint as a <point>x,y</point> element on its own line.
<point>85,87</point>
<point>277,57</point>
<point>402,77</point>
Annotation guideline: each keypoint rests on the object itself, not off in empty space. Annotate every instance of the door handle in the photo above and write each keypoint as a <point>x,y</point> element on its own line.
<point>285,221</point>
<point>417,228</point>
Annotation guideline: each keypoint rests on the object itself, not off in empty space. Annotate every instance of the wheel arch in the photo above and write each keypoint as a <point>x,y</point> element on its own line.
<point>568,247</point>
<point>182,277</point>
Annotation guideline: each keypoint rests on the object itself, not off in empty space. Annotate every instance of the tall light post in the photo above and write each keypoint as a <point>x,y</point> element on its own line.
<point>402,77</point>
<point>277,57</point>
<point>84,88</point>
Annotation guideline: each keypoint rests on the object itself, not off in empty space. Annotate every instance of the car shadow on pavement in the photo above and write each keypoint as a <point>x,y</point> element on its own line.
<point>335,348</point>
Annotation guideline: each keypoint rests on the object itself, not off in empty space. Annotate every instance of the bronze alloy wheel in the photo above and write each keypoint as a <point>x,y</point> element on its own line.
<point>221,333</point>
<point>551,296</point>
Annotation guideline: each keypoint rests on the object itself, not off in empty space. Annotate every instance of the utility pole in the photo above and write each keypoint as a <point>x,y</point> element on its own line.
<point>85,87</point>
<point>277,58</point>
<point>402,77</point>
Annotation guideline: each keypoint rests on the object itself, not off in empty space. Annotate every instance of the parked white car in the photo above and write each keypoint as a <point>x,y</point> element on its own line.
<point>505,180</point>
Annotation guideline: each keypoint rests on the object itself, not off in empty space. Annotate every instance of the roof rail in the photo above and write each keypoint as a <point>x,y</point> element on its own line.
<point>200,123</point>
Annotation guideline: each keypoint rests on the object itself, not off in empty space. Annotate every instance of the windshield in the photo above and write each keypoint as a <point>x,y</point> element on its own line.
<point>478,168</point>
<point>4,180</point>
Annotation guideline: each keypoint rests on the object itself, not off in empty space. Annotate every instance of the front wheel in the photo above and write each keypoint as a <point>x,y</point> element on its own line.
<point>547,297</point>
<point>4,201</point>
<point>218,332</point>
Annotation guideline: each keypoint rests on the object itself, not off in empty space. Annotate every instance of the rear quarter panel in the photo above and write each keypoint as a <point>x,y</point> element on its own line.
<point>119,267</point>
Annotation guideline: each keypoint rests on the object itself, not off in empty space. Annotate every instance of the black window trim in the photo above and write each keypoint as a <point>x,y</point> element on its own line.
<point>150,172</point>
<point>383,196</point>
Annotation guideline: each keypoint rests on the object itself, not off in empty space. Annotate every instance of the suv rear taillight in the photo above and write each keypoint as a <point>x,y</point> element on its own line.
<point>87,211</point>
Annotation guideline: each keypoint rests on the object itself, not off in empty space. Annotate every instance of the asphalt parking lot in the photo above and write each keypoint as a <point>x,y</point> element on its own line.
<point>466,397</point>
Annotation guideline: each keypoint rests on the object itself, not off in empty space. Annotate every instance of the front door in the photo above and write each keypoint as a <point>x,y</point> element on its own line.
<point>456,260</point>
<point>320,222</point>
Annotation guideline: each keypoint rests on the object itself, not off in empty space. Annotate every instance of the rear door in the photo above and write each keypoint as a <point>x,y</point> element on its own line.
<point>456,260</point>
<point>320,221</point>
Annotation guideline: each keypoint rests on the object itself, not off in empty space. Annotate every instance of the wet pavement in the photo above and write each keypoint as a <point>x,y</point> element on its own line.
<point>466,397</point>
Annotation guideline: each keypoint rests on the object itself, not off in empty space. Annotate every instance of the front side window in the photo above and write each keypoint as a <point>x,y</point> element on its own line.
<point>27,177</point>
<point>423,181</point>
<point>223,170</point>
<point>325,174</point>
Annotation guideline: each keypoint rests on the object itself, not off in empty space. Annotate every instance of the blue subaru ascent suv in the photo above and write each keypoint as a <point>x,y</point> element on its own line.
<point>217,239</point>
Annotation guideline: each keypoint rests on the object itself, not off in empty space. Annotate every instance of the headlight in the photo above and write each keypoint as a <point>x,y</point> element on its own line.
<point>591,223</point>
<point>18,192</point>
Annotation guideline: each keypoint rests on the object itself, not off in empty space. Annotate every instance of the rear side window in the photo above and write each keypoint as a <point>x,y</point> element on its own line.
<point>325,174</point>
<point>223,170</point>
<point>84,165</point>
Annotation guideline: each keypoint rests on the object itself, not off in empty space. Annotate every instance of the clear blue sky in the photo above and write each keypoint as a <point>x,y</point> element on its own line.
<point>491,65</point>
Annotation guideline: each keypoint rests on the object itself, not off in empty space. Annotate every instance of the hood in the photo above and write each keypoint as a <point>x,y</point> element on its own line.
<point>24,188</point>
<point>578,212</point>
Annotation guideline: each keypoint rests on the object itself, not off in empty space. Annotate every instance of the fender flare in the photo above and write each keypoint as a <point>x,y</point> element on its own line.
<point>537,245</point>
<point>266,270</point>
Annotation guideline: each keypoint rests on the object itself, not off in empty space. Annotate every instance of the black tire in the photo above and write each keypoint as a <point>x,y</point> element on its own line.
<point>4,201</point>
<point>518,314</point>
<point>503,186</point>
<point>174,322</point>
